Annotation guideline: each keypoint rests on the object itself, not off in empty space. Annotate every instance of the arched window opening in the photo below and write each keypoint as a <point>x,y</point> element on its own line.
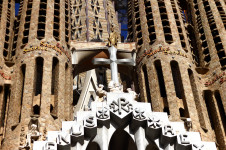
<point>221,109</point>
<point>38,85</point>
<point>196,97</point>
<point>121,140</point>
<point>146,82</point>
<point>213,115</point>
<point>54,86</point>
<point>23,71</point>
<point>4,106</point>
<point>42,19</point>
<point>38,75</point>
<point>93,146</point>
<point>158,68</point>
<point>178,85</point>
<point>177,79</point>
<point>161,81</point>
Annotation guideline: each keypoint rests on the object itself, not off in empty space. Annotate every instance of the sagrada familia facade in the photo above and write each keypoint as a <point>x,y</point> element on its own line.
<point>68,81</point>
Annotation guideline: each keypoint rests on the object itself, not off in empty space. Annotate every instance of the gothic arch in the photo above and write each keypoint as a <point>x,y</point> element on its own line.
<point>93,146</point>
<point>121,140</point>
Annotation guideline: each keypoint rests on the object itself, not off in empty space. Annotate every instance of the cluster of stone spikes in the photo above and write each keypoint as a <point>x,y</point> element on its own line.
<point>121,111</point>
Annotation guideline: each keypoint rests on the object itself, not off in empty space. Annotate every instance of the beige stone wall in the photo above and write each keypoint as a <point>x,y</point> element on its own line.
<point>147,27</point>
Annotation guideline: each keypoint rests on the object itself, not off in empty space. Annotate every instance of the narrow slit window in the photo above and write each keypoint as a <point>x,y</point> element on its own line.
<point>54,87</point>
<point>145,73</point>
<point>23,71</point>
<point>178,85</point>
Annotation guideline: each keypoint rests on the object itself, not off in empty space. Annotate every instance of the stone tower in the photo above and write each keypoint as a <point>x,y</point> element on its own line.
<point>41,96</point>
<point>7,58</point>
<point>209,23</point>
<point>92,20</point>
<point>181,45</point>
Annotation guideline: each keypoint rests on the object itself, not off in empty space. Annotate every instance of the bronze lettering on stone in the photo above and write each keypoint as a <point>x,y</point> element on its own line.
<point>165,51</point>
<point>7,77</point>
<point>217,77</point>
<point>44,47</point>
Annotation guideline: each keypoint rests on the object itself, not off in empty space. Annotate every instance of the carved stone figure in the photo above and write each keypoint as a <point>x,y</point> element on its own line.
<point>113,38</point>
<point>100,91</point>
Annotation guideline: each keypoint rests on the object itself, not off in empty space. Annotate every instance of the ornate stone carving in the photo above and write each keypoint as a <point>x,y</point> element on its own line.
<point>168,130</point>
<point>62,138</point>
<point>184,139</point>
<point>154,122</point>
<point>103,113</point>
<point>120,105</point>
<point>76,130</point>
<point>100,91</point>
<point>89,121</point>
<point>113,38</point>
<point>138,113</point>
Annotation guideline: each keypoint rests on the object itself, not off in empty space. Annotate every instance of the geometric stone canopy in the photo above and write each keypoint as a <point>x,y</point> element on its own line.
<point>120,112</point>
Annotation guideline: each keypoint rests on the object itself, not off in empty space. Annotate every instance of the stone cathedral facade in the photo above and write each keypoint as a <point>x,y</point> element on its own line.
<point>56,90</point>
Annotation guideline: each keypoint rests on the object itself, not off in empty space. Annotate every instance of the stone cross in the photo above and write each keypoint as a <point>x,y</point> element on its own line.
<point>113,61</point>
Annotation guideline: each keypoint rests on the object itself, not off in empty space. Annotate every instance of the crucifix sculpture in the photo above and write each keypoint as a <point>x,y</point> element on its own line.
<point>113,61</point>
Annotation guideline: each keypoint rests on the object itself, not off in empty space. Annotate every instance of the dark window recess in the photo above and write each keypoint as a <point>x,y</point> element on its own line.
<point>215,34</point>
<point>27,23</point>
<point>194,48</point>
<point>148,94</point>
<point>1,9</point>
<point>178,85</point>
<point>165,22</point>
<point>138,26</point>
<point>204,45</point>
<point>181,35</point>
<point>221,109</point>
<point>161,81</point>
<point>166,109</point>
<point>54,86</point>
<point>38,75</point>
<point>23,71</point>
<point>4,107</point>
<point>221,12</point>
<point>196,96</point>
<point>56,24</point>
<point>177,80</point>
<point>6,50</point>
<point>150,22</point>
<point>42,19</point>
<point>212,113</point>
<point>67,22</point>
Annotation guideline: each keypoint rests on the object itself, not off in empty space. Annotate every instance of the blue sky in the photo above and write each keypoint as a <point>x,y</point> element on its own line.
<point>17,6</point>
